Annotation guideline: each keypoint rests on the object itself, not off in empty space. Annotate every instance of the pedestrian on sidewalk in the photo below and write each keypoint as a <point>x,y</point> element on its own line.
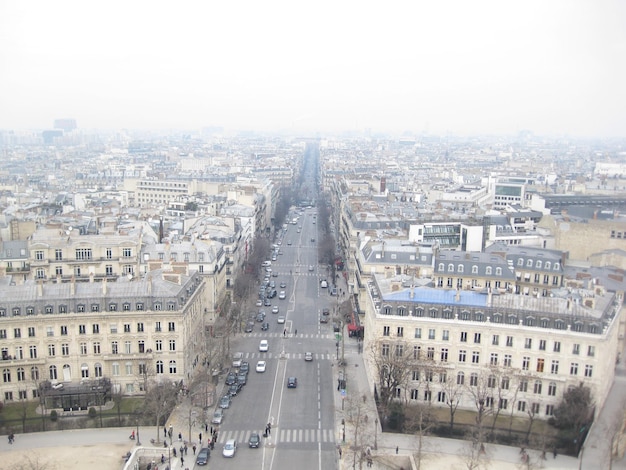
<point>180,436</point>
<point>339,449</point>
<point>164,432</point>
<point>397,449</point>
<point>200,438</point>
<point>295,333</point>
<point>211,429</point>
<point>194,449</point>
<point>554,451</point>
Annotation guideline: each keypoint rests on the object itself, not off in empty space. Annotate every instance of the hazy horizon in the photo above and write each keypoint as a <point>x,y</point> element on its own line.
<point>483,67</point>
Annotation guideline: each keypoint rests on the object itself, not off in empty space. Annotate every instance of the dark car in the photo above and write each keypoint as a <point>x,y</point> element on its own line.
<point>265,326</point>
<point>203,456</point>
<point>325,311</point>
<point>245,367</point>
<point>225,402</point>
<point>231,378</point>
<point>254,440</point>
<point>323,319</point>
<point>242,378</point>
<point>234,389</point>
<point>267,302</point>
<point>292,382</point>
<point>260,317</point>
<point>249,327</point>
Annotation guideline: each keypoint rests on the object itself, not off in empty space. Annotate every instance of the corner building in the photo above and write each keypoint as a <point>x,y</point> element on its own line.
<point>125,331</point>
<point>526,350</point>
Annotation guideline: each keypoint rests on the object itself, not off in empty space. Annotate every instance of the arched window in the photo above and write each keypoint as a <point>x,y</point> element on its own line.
<point>21,375</point>
<point>387,310</point>
<point>6,375</point>
<point>474,269</point>
<point>460,378</point>
<point>544,323</point>
<point>97,371</point>
<point>548,265</point>
<point>419,312</point>
<point>34,373</point>
<point>450,268</point>
<point>460,268</point>
<point>557,266</point>
<point>172,367</point>
<point>159,367</point>
<point>498,271</point>
<point>520,261</point>
<point>497,318</point>
<point>529,263</point>
<point>441,267</point>
<point>402,311</point>
<point>465,315</point>
<point>53,372</point>
<point>488,270</point>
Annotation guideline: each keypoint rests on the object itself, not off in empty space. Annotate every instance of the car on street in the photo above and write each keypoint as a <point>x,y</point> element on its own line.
<point>283,285</point>
<point>231,378</point>
<point>325,311</point>
<point>245,367</point>
<point>310,267</point>
<point>312,239</point>
<point>282,295</point>
<point>265,326</point>
<point>264,345</point>
<point>234,389</point>
<point>259,303</point>
<point>275,309</point>
<point>323,319</point>
<point>260,366</point>
<point>308,356</point>
<point>267,303</point>
<point>203,456</point>
<point>254,440</point>
<point>229,448</point>
<point>289,242</point>
<point>242,378</point>
<point>323,283</point>
<point>249,327</point>
<point>260,317</point>
<point>273,284</point>
<point>280,320</point>
<point>225,402</point>
<point>237,358</point>
<point>292,382</point>
<point>218,416</point>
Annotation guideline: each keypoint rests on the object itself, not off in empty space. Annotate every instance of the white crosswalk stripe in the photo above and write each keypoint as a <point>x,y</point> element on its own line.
<point>281,436</point>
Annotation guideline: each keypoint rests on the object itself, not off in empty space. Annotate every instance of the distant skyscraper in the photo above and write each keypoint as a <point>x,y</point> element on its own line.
<point>66,124</point>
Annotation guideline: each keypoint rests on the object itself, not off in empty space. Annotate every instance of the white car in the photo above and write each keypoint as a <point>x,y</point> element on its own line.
<point>280,319</point>
<point>282,295</point>
<point>230,448</point>
<point>308,356</point>
<point>310,267</point>
<point>260,366</point>
<point>264,345</point>
<point>275,309</point>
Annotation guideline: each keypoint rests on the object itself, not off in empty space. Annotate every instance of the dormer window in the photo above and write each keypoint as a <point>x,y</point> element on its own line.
<point>548,265</point>
<point>450,268</point>
<point>488,271</point>
<point>474,269</point>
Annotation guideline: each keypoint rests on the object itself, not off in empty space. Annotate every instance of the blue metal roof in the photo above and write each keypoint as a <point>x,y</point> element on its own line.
<point>439,296</point>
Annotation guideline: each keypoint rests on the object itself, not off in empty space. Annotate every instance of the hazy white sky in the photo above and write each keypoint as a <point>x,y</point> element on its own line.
<point>552,66</point>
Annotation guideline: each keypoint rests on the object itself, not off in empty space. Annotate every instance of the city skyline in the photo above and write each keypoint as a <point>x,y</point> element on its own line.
<point>553,68</point>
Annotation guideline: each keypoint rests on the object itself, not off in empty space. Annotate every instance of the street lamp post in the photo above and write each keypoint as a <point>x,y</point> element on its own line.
<point>376,434</point>
<point>138,442</point>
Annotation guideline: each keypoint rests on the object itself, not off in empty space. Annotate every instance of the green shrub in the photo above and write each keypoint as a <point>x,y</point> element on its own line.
<point>92,412</point>
<point>54,415</point>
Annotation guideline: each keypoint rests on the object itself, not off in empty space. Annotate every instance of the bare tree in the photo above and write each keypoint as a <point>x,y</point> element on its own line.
<point>159,400</point>
<point>356,418</point>
<point>452,387</point>
<point>33,461</point>
<point>393,364</point>
<point>501,383</point>
<point>482,395</point>
<point>419,420</point>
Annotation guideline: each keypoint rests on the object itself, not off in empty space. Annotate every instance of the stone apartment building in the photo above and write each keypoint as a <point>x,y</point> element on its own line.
<point>523,352</point>
<point>77,332</point>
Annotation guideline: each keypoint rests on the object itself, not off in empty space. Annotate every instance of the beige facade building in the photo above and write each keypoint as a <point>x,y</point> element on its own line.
<point>526,351</point>
<point>77,332</point>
